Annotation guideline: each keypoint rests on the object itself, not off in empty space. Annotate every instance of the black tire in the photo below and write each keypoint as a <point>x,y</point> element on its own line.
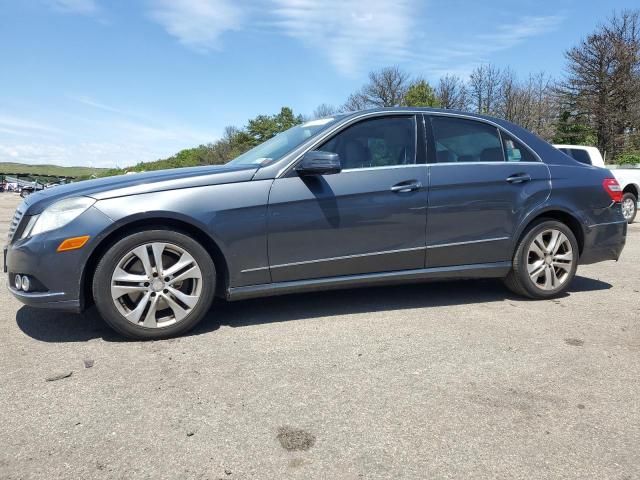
<point>518,279</point>
<point>630,196</point>
<point>105,268</point>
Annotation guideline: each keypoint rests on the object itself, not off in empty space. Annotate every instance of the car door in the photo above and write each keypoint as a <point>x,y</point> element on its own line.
<point>483,182</point>
<point>370,217</point>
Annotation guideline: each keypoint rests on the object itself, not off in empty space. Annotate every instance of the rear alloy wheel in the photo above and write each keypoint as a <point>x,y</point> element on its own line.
<point>549,259</point>
<point>629,207</point>
<point>545,261</point>
<point>154,284</point>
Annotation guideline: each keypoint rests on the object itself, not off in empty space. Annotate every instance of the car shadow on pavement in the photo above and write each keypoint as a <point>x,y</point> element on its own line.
<point>53,326</point>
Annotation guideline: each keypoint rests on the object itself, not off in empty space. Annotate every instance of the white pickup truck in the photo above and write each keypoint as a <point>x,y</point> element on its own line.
<point>628,178</point>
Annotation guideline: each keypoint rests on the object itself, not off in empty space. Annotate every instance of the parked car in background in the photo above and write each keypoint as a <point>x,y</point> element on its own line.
<point>367,198</point>
<point>29,189</point>
<point>628,178</point>
<point>583,154</point>
<point>26,190</point>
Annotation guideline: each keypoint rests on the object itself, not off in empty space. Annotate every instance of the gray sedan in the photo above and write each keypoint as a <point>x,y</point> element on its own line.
<point>369,198</point>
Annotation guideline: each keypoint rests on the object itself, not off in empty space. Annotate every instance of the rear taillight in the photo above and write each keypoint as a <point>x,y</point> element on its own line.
<point>612,187</point>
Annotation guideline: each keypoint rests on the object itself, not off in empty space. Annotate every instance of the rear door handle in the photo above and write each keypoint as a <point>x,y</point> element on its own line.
<point>519,178</point>
<point>408,186</point>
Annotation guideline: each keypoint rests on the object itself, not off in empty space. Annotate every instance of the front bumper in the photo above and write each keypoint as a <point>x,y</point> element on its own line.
<point>48,300</point>
<point>60,275</point>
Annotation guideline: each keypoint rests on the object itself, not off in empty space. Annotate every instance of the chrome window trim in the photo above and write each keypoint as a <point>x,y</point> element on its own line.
<point>502,147</point>
<point>342,126</point>
<point>383,167</point>
<point>415,147</point>
<point>455,244</point>
<point>497,128</point>
<point>482,163</point>
<point>524,144</point>
<point>500,130</point>
<point>366,115</point>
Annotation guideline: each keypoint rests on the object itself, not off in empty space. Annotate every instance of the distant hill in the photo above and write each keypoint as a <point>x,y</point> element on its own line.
<point>48,170</point>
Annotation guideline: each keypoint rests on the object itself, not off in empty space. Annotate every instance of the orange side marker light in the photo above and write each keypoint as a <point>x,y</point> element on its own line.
<point>73,243</point>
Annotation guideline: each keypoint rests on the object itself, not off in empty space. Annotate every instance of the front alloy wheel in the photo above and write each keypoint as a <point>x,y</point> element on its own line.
<point>154,284</point>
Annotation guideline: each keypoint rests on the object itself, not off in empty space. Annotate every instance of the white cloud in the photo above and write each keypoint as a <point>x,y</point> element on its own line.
<point>462,57</point>
<point>31,153</point>
<point>350,32</point>
<point>95,154</point>
<point>11,131</point>
<point>505,36</point>
<point>197,24</point>
<point>106,138</point>
<point>165,133</point>
<point>510,35</point>
<point>141,126</point>
<point>118,151</point>
<point>79,7</point>
<point>90,102</point>
<point>24,126</point>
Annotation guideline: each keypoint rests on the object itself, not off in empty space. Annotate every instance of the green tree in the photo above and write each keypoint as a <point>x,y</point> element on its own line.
<point>234,142</point>
<point>629,158</point>
<point>420,94</point>
<point>572,130</point>
<point>263,127</point>
<point>603,80</point>
<point>386,88</point>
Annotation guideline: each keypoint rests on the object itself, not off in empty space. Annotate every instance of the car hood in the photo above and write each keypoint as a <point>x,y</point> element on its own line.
<point>138,183</point>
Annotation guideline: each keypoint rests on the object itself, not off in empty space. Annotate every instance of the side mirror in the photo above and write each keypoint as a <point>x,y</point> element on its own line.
<point>317,162</point>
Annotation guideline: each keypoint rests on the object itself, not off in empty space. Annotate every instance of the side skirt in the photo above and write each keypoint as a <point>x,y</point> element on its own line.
<point>481,270</point>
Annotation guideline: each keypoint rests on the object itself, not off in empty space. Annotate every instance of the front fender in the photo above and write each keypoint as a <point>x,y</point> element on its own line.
<point>233,216</point>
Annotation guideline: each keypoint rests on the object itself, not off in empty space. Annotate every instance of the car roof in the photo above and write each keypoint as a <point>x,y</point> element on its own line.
<point>509,126</point>
<point>426,110</point>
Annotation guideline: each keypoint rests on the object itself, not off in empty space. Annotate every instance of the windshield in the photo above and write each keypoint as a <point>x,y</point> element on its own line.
<point>278,146</point>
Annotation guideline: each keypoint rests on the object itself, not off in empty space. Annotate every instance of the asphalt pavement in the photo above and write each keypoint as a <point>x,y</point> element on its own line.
<point>437,380</point>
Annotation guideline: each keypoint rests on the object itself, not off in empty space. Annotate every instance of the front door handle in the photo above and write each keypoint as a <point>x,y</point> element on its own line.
<point>405,187</point>
<point>519,178</point>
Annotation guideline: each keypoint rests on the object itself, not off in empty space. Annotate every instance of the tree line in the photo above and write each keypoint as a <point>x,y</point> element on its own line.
<point>596,101</point>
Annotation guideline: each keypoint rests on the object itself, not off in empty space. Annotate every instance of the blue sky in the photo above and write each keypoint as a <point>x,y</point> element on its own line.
<point>114,82</point>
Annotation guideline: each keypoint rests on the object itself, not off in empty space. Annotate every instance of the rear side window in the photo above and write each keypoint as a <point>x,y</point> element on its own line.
<point>578,154</point>
<point>462,140</point>
<point>515,151</point>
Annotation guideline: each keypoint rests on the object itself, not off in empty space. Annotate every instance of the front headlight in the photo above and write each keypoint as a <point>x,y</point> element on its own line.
<point>58,215</point>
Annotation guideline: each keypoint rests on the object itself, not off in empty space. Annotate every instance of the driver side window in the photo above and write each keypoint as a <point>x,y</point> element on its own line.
<point>378,142</point>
